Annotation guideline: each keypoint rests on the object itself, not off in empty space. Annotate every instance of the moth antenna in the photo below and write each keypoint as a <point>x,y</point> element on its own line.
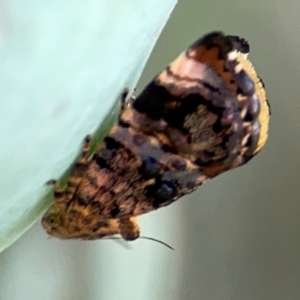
<point>141,237</point>
<point>157,241</point>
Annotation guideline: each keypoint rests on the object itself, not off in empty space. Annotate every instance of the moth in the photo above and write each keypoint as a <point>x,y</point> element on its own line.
<point>205,114</point>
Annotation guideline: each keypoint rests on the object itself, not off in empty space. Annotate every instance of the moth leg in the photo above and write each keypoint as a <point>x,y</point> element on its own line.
<point>86,148</point>
<point>125,104</point>
<point>129,229</point>
<point>79,169</point>
<point>123,101</point>
<point>59,192</point>
<point>131,99</point>
<point>62,195</point>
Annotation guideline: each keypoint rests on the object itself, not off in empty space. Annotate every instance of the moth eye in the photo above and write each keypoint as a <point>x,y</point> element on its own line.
<point>150,167</point>
<point>51,219</point>
<point>164,191</point>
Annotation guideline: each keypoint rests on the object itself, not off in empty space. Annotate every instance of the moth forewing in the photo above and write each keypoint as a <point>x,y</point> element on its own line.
<point>204,114</point>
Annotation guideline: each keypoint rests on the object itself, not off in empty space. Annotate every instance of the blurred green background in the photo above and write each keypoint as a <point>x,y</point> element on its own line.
<point>237,237</point>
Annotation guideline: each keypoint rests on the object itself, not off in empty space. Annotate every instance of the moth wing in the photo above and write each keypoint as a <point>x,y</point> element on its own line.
<point>204,114</point>
<point>213,101</point>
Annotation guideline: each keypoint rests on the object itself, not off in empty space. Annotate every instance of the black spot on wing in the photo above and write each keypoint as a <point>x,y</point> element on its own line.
<point>111,143</point>
<point>245,83</point>
<point>150,167</point>
<point>115,211</point>
<point>158,103</point>
<point>101,162</point>
<point>161,192</point>
<point>123,124</point>
<point>152,101</point>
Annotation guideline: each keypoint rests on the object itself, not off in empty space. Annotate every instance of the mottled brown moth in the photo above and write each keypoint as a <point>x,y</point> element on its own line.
<point>206,113</point>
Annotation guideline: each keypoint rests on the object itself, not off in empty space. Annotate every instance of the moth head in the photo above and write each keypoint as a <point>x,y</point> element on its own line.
<point>53,223</point>
<point>78,222</point>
